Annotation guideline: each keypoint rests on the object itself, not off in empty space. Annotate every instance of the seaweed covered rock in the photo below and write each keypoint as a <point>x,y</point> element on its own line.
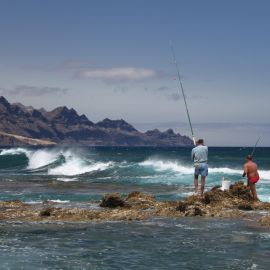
<point>14,203</point>
<point>265,221</point>
<point>112,200</point>
<point>182,206</point>
<point>240,190</point>
<point>140,200</point>
<point>46,212</point>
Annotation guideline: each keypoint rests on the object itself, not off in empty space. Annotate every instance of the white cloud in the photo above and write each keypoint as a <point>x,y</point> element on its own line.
<point>27,90</point>
<point>119,74</point>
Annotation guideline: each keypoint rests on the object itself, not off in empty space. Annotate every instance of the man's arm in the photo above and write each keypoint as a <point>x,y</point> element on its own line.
<point>245,170</point>
<point>192,154</point>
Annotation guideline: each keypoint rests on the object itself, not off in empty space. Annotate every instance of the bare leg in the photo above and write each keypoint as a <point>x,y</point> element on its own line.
<point>253,191</point>
<point>202,184</point>
<point>196,183</point>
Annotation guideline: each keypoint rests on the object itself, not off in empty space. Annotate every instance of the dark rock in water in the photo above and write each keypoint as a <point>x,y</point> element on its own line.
<point>198,211</point>
<point>46,212</point>
<point>182,207</point>
<point>112,200</point>
<point>193,211</point>
<point>245,207</point>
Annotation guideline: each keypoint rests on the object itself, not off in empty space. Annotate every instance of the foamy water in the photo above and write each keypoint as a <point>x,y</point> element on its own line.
<point>120,168</point>
<point>175,166</point>
<point>41,158</point>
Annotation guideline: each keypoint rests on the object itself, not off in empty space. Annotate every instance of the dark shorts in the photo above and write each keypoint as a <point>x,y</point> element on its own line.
<point>201,169</point>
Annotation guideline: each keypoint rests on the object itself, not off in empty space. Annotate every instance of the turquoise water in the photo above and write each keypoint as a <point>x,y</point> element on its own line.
<point>85,174</point>
<point>80,176</point>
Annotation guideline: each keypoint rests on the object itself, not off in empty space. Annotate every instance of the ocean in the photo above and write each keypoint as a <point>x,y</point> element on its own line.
<point>80,176</point>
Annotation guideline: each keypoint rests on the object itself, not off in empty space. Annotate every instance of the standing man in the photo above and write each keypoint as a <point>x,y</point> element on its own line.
<point>251,170</point>
<point>199,155</point>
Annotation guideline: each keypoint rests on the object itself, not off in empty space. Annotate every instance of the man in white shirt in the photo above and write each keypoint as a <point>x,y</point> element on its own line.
<point>199,155</point>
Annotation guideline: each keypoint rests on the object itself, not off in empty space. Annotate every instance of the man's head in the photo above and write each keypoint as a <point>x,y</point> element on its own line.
<point>200,142</point>
<point>249,158</point>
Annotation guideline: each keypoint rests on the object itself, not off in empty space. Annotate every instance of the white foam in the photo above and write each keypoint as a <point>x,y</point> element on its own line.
<point>225,170</point>
<point>264,198</point>
<point>42,158</point>
<point>33,202</point>
<point>64,179</point>
<point>76,166</point>
<point>264,175</point>
<point>175,166</point>
<point>15,151</point>
<point>161,165</point>
<point>58,201</point>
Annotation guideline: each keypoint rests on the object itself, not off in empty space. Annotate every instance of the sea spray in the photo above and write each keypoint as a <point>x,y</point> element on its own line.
<point>40,173</point>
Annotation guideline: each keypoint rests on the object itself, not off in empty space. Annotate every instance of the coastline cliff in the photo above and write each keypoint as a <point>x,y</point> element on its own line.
<point>25,125</point>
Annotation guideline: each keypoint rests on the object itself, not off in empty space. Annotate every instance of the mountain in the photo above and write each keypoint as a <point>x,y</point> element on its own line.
<point>21,125</point>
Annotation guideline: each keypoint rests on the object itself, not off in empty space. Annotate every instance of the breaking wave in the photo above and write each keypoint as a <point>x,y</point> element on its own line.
<point>174,166</point>
<point>57,162</point>
<point>67,164</point>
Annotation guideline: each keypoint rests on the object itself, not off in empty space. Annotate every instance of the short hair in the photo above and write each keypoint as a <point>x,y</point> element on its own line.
<point>249,157</point>
<point>200,141</point>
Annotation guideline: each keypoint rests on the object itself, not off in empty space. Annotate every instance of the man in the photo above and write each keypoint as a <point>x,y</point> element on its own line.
<point>199,155</point>
<point>251,170</point>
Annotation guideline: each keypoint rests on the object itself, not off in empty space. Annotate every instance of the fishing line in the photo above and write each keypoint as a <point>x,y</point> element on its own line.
<point>180,87</point>
<point>254,148</point>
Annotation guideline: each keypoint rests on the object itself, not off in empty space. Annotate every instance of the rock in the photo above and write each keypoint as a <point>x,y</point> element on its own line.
<point>112,200</point>
<point>265,221</point>
<point>214,196</point>
<point>246,207</point>
<point>46,212</point>
<point>182,207</point>
<point>14,203</point>
<point>240,190</point>
<point>198,211</point>
<point>139,206</point>
<point>194,211</point>
<point>140,200</point>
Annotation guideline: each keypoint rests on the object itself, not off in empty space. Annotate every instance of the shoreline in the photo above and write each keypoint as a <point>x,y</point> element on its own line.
<point>233,203</point>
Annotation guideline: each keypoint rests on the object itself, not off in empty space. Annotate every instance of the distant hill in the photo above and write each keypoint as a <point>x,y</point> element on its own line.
<point>66,126</point>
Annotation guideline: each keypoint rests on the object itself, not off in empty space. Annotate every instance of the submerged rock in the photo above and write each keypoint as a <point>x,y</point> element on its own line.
<point>112,200</point>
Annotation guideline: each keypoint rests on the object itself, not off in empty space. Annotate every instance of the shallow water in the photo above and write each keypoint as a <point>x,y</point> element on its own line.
<point>187,243</point>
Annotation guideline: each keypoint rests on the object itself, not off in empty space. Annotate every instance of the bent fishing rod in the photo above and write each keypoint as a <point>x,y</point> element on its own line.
<point>252,153</point>
<point>182,90</point>
<point>254,148</point>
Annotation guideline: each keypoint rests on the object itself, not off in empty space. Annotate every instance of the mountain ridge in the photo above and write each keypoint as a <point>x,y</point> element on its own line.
<point>65,126</point>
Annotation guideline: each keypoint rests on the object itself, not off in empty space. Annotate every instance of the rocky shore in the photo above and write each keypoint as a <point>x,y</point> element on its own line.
<point>233,203</point>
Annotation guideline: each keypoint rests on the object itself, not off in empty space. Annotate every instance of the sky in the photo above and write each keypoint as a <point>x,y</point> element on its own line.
<point>113,59</point>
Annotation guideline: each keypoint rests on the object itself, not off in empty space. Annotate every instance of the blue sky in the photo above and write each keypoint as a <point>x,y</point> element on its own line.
<point>112,59</point>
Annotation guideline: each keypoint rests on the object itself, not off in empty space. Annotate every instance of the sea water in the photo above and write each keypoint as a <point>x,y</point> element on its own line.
<point>80,176</point>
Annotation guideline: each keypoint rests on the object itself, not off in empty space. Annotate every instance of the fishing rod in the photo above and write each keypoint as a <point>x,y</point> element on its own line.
<point>182,90</point>
<point>252,153</point>
<point>254,148</point>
